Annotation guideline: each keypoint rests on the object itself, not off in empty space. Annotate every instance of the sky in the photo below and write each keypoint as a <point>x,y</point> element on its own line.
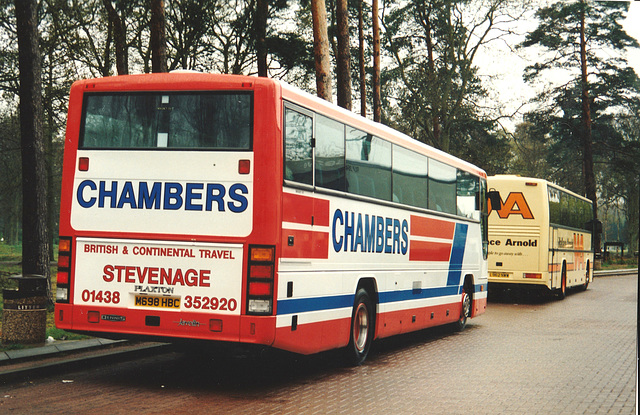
<point>502,69</point>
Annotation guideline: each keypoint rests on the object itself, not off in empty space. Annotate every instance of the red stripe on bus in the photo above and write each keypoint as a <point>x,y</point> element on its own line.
<point>404,321</point>
<point>305,210</point>
<point>479,306</point>
<point>314,337</point>
<point>297,209</point>
<point>305,244</point>
<point>558,267</point>
<point>431,228</point>
<point>321,212</point>
<point>429,251</point>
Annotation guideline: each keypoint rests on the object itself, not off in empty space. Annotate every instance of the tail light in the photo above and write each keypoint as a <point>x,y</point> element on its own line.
<point>533,275</point>
<point>260,270</point>
<point>64,270</point>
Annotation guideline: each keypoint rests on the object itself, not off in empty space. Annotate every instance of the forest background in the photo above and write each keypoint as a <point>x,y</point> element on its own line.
<point>435,77</point>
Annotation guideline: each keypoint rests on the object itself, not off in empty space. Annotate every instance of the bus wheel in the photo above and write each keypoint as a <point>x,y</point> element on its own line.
<point>362,328</point>
<point>562,291</point>
<point>586,279</point>
<point>465,312</point>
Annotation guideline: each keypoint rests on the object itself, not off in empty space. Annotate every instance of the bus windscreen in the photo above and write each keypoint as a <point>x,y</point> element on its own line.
<point>195,120</point>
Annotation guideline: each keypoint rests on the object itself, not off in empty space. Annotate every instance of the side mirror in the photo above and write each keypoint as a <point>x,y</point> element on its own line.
<point>494,197</point>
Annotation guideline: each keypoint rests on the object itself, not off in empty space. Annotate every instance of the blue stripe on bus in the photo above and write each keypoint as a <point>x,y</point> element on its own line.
<point>457,254</point>
<point>303,305</point>
<point>416,294</point>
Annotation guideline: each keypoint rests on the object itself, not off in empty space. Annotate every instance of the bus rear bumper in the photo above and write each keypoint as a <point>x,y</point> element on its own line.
<point>125,323</point>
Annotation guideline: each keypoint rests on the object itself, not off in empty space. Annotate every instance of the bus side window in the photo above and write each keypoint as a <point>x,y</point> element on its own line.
<point>329,153</point>
<point>484,218</point>
<point>564,209</point>
<point>442,187</point>
<point>298,132</point>
<point>409,177</point>
<point>467,193</point>
<point>368,165</point>
<point>554,206</point>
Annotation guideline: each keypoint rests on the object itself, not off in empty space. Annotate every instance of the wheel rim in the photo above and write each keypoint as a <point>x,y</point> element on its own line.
<point>466,307</point>
<point>361,327</point>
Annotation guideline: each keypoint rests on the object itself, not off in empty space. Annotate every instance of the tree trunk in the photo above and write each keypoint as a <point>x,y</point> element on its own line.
<point>262,11</point>
<point>53,211</point>
<point>435,119</point>
<point>377,105</point>
<point>35,244</point>
<point>344,55</point>
<point>637,209</point>
<point>120,38</point>
<point>158,38</point>
<point>106,69</point>
<point>587,151</point>
<point>363,82</point>
<point>321,49</point>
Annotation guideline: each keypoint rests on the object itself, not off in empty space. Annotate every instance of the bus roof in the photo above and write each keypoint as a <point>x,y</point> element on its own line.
<point>305,99</point>
<point>191,80</point>
<point>514,177</point>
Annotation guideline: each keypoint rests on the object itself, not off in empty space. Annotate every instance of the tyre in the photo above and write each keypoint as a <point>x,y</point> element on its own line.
<point>465,311</point>
<point>586,279</point>
<point>562,291</point>
<point>362,328</point>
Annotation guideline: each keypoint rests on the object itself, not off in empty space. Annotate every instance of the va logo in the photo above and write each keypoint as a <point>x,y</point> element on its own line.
<point>515,204</point>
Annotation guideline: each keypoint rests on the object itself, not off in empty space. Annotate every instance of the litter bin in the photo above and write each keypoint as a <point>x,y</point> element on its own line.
<point>24,317</point>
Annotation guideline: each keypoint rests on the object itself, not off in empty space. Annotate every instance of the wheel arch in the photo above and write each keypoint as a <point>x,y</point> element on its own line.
<point>370,285</point>
<point>469,285</point>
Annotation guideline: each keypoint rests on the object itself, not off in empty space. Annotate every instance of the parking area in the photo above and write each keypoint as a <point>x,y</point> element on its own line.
<point>575,356</point>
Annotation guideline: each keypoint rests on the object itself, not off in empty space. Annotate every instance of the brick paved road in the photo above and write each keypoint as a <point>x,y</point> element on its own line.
<point>575,356</point>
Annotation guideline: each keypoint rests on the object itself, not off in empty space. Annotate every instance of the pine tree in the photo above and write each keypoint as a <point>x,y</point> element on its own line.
<point>321,49</point>
<point>586,41</point>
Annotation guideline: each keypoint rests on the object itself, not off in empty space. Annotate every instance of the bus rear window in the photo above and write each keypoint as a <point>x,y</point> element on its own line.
<point>200,120</point>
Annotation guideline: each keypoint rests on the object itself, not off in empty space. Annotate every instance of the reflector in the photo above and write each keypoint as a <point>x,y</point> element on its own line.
<point>93,316</point>
<point>244,166</point>
<point>532,275</point>
<point>83,164</point>
<point>215,325</point>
